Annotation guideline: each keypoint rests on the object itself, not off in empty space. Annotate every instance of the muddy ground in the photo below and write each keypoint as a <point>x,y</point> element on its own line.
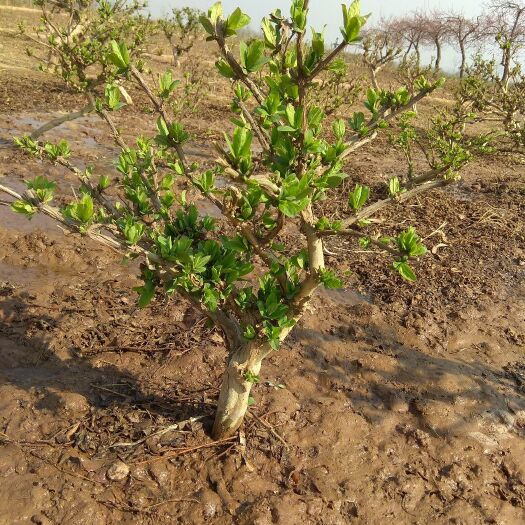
<point>391,403</point>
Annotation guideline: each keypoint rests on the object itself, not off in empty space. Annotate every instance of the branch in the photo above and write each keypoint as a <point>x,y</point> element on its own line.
<point>229,326</point>
<point>257,128</point>
<point>268,258</point>
<point>357,234</point>
<point>358,141</point>
<point>61,120</point>
<point>379,205</point>
<point>239,72</point>
<point>321,66</point>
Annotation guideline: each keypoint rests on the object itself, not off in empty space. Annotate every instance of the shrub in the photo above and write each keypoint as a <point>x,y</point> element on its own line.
<point>232,266</point>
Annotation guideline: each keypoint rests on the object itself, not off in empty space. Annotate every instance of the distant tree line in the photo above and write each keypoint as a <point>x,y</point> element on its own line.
<point>501,26</point>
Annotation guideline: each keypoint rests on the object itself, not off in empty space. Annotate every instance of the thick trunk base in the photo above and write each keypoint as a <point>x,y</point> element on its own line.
<point>235,392</point>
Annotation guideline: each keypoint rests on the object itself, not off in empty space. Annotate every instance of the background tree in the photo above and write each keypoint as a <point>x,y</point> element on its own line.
<point>412,30</point>
<point>234,267</point>
<point>463,33</point>
<point>72,41</point>
<point>497,94</point>
<point>505,22</point>
<point>435,30</point>
<point>381,46</point>
<point>181,29</point>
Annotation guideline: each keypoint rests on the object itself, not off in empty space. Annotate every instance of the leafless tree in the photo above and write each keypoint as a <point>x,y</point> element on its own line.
<point>412,30</point>
<point>506,23</point>
<point>381,46</point>
<point>464,33</point>
<point>434,32</point>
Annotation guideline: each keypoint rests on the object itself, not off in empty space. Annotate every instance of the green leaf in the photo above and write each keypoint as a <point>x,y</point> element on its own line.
<point>146,293</point>
<point>293,208</point>
<point>224,68</point>
<point>215,12</point>
<point>270,34</point>
<point>405,271</point>
<point>409,243</point>
<point>299,15</point>
<point>252,56</point>
<point>104,182</point>
<point>119,55</point>
<point>352,22</point>
<point>237,20</point>
<point>339,129</point>
<point>112,97</point>
<point>358,197</point>
<point>167,84</point>
<point>42,187</point>
<point>330,280</point>
<point>249,333</point>
<point>24,208</point>
<point>82,210</point>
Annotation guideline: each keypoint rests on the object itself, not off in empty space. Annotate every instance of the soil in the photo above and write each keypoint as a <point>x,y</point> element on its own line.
<point>390,403</point>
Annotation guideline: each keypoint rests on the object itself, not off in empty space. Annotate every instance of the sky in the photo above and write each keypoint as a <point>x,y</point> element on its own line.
<point>328,12</point>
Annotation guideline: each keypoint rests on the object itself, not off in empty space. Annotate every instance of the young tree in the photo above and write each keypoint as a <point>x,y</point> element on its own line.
<point>435,33</point>
<point>463,32</point>
<point>381,46</point>
<point>181,30</point>
<point>412,30</point>
<point>233,268</point>
<point>73,37</point>
<point>506,23</point>
<point>497,100</point>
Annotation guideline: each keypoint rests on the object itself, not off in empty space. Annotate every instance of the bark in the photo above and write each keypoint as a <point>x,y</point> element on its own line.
<point>373,78</point>
<point>463,59</point>
<point>438,55</point>
<point>235,390</point>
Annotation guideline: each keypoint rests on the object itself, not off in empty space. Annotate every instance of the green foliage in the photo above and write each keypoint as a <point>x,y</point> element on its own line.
<point>76,36</point>
<point>353,22</point>
<point>405,270</point>
<point>250,377</point>
<point>24,208</point>
<point>330,280</point>
<point>409,243</point>
<point>112,97</point>
<point>119,56</point>
<point>167,84</point>
<point>43,188</point>
<point>358,198</point>
<point>256,263</point>
<point>394,187</point>
<point>27,144</point>
<point>253,57</point>
<point>237,20</point>
<point>57,151</point>
<point>82,210</point>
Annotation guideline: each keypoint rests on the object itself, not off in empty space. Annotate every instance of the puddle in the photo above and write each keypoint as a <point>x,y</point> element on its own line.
<point>21,276</point>
<point>346,297</point>
<point>9,220</point>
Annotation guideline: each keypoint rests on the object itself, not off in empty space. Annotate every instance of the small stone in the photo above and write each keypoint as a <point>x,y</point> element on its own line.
<point>119,471</point>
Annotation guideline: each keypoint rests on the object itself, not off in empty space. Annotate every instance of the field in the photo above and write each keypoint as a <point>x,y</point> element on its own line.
<point>390,403</point>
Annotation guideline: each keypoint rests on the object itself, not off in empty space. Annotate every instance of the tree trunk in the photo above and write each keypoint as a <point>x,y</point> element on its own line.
<point>373,77</point>
<point>438,55</point>
<point>506,63</point>
<point>463,59</point>
<point>235,389</point>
